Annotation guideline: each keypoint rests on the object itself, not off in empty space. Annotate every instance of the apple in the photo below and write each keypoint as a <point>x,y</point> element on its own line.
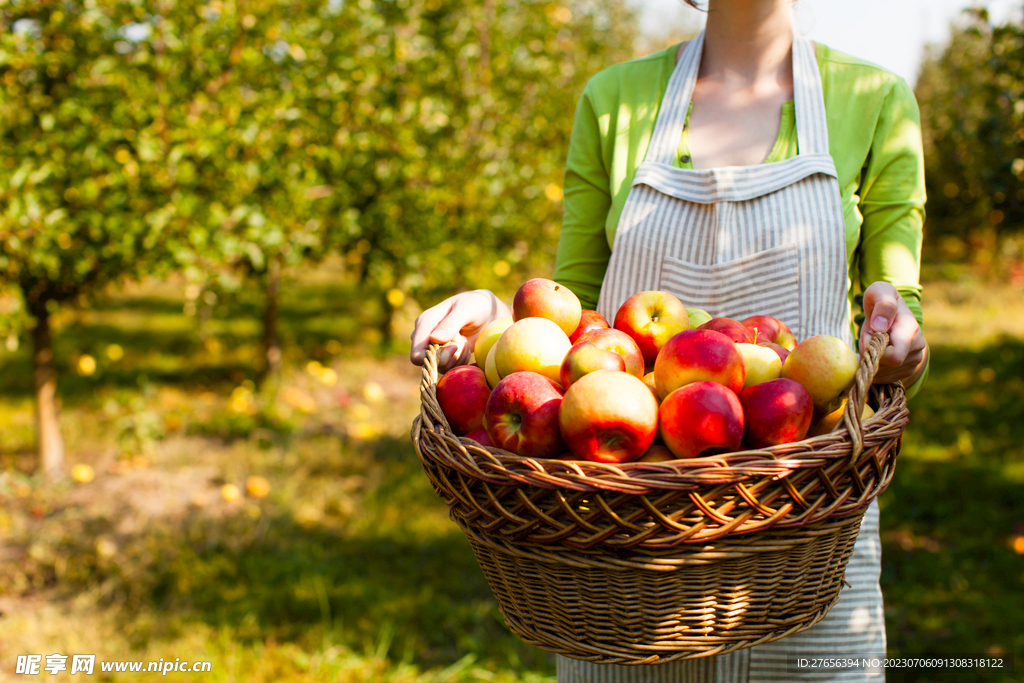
<point>491,368</point>
<point>608,416</point>
<point>697,317</point>
<point>698,355</point>
<point>702,418</point>
<point>760,364</point>
<point>584,358</point>
<point>522,415</point>
<point>657,453</point>
<point>781,350</point>
<point>649,381</point>
<point>462,393</point>
<point>827,423</point>
<point>826,366</point>
<point>532,345</point>
<point>543,298</point>
<point>480,436</point>
<point>733,329</point>
<point>769,329</point>
<point>775,412</point>
<point>651,318</point>
<point>488,337</point>
<point>589,320</point>
<point>621,343</point>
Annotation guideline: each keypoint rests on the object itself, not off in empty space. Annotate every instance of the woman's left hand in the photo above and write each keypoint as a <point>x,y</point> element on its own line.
<point>907,353</point>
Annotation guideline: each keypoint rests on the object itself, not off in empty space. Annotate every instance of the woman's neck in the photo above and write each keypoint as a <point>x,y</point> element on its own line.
<point>747,42</point>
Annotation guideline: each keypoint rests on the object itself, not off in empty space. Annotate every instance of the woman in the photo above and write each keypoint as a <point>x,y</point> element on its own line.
<point>683,176</point>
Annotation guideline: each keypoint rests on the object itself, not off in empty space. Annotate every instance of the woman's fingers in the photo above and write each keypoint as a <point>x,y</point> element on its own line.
<point>424,329</point>
<point>886,311</point>
<point>881,303</point>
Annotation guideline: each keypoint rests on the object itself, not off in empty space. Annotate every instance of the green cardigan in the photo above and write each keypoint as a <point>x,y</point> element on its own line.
<point>874,137</point>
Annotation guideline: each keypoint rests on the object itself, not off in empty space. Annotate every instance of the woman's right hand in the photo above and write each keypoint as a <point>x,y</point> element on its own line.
<point>458,320</point>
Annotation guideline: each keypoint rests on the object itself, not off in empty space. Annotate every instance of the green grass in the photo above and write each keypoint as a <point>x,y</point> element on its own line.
<point>349,570</point>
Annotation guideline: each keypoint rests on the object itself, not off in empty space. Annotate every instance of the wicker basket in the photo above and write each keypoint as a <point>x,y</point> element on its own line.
<point>643,563</point>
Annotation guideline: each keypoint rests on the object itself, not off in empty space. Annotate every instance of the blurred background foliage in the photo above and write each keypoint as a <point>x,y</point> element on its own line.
<point>217,223</point>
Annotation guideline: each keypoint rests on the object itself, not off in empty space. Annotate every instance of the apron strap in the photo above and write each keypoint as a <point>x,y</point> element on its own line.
<point>809,103</point>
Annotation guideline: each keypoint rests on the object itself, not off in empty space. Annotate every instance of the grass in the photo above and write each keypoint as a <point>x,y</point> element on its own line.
<point>348,568</point>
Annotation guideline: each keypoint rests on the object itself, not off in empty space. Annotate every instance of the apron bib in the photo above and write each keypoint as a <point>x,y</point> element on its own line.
<point>741,241</point>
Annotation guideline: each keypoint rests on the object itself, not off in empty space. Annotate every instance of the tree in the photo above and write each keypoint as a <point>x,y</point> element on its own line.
<point>80,207</point>
<point>971,96</point>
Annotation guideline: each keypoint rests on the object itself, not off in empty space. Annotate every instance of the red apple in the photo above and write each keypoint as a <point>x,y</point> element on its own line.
<point>698,355</point>
<point>584,358</point>
<point>769,329</point>
<point>781,350</point>
<point>480,436</point>
<point>733,329</point>
<point>621,343</point>
<point>702,418</point>
<point>589,320</point>
<point>775,412</point>
<point>462,393</point>
<point>826,366</point>
<point>522,415</point>
<point>608,416</point>
<point>543,298</point>
<point>652,318</point>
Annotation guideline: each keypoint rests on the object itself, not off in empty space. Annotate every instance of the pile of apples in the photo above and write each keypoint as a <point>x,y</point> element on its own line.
<point>662,382</point>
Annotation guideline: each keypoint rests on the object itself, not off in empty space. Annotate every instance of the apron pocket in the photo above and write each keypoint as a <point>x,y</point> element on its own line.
<point>765,283</point>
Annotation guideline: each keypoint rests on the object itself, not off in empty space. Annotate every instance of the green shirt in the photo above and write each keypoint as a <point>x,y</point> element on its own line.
<point>874,137</point>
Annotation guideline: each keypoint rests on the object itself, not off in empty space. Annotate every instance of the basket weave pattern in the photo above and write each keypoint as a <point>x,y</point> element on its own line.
<point>650,562</point>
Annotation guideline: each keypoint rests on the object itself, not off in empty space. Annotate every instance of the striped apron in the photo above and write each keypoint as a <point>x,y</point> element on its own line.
<point>741,241</point>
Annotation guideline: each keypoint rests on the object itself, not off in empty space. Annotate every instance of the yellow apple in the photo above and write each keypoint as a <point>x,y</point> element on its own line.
<point>826,366</point>
<point>488,337</point>
<point>491,369</point>
<point>762,364</point>
<point>532,345</point>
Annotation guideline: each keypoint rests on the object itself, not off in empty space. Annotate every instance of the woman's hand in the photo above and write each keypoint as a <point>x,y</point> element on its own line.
<point>886,311</point>
<point>458,320</point>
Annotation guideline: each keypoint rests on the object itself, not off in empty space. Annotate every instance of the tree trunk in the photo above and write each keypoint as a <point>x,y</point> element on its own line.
<point>44,376</point>
<point>271,338</point>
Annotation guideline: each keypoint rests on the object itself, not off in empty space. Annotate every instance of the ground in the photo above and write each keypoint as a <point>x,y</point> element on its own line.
<point>287,533</point>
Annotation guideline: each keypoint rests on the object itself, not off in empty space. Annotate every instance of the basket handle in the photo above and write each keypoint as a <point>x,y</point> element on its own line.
<point>430,409</point>
<point>859,392</point>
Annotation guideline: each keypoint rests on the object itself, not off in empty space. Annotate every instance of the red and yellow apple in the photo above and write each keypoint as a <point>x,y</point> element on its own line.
<point>695,356</point>
<point>760,364</point>
<point>522,415</point>
<point>826,366</point>
<point>769,329</point>
<point>621,343</point>
<point>543,298</point>
<point>702,418</point>
<point>608,416</point>
<point>532,345</point>
<point>589,320</point>
<point>584,358</point>
<point>775,412</point>
<point>657,453</point>
<point>462,393</point>
<point>733,329</point>
<point>488,337</point>
<point>827,423</point>
<point>651,318</point>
